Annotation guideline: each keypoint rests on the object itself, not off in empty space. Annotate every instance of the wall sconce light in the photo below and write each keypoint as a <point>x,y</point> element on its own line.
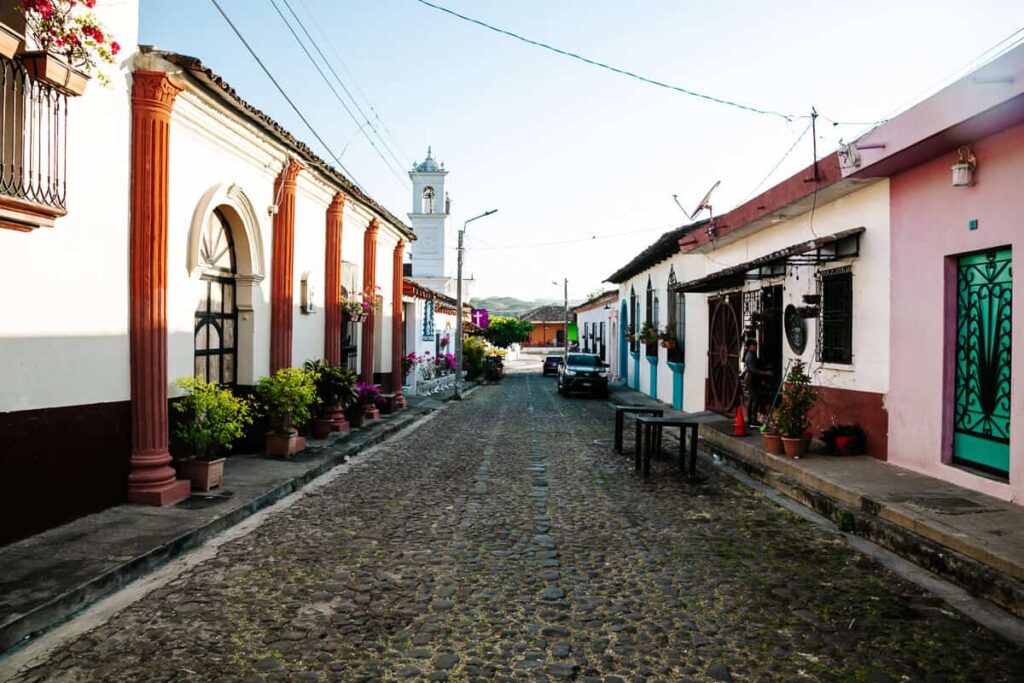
<point>963,169</point>
<point>307,295</point>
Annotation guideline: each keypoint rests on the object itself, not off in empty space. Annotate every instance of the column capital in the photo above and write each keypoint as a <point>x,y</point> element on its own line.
<point>373,226</point>
<point>154,90</point>
<point>337,203</point>
<point>290,172</point>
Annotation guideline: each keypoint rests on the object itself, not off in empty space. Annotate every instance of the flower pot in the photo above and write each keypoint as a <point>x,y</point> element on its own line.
<point>373,413</point>
<point>845,445</point>
<point>48,68</point>
<point>204,474</point>
<point>772,443</point>
<point>358,317</point>
<point>794,447</point>
<point>10,41</point>
<point>337,417</point>
<point>357,420</point>
<point>284,445</point>
<point>321,427</point>
<point>668,344</point>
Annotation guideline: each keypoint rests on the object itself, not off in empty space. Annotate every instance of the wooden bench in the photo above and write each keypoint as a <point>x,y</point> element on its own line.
<point>652,428</point>
<point>620,413</point>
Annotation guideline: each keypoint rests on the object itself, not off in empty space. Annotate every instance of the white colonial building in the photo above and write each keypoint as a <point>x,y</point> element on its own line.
<point>184,233</point>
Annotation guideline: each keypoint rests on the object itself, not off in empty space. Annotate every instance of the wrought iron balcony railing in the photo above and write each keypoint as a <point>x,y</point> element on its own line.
<point>33,138</point>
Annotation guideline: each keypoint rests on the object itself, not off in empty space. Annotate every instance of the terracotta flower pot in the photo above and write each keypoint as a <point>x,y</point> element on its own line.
<point>49,68</point>
<point>204,474</point>
<point>845,445</point>
<point>321,427</point>
<point>284,445</point>
<point>794,447</point>
<point>373,413</point>
<point>772,443</point>
<point>357,420</point>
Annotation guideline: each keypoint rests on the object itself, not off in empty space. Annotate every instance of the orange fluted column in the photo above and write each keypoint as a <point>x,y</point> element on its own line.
<point>332,281</point>
<point>397,338</point>
<point>282,267</point>
<point>369,285</point>
<point>152,479</point>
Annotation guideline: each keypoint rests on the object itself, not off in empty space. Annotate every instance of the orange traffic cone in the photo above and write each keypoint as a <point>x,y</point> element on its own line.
<point>739,427</point>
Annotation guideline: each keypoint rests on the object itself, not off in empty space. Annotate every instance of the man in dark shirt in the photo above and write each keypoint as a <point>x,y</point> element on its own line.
<point>753,371</point>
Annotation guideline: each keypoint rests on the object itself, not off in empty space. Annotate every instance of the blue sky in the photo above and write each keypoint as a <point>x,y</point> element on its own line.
<point>567,151</point>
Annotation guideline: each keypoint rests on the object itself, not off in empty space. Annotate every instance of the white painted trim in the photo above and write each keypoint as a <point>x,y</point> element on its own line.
<point>230,195</point>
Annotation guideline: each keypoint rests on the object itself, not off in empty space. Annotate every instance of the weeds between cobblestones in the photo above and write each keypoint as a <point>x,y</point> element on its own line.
<point>498,542</point>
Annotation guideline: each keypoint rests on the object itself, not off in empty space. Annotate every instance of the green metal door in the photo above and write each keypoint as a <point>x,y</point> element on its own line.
<point>981,436</point>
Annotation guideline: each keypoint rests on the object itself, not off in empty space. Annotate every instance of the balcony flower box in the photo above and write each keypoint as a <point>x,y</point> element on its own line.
<point>49,68</point>
<point>10,41</point>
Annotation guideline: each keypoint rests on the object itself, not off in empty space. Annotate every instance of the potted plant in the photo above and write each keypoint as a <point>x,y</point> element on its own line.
<point>335,389</point>
<point>806,312</point>
<point>812,299</point>
<point>845,439</point>
<point>770,436</point>
<point>798,396</point>
<point>71,44</point>
<point>668,338</point>
<point>372,299</point>
<point>648,335</point>
<point>212,419</point>
<point>367,398</point>
<point>286,398</point>
<point>354,309</point>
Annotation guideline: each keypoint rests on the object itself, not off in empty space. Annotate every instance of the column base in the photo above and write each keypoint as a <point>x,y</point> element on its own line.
<point>165,494</point>
<point>400,401</point>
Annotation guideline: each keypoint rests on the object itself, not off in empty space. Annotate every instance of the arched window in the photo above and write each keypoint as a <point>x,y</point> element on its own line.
<point>428,200</point>
<point>649,316</point>
<point>634,322</point>
<point>217,313</point>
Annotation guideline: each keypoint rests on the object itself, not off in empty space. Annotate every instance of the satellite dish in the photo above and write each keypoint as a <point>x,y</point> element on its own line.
<point>700,207</point>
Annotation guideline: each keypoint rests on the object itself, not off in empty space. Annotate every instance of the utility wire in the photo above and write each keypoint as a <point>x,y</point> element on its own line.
<point>335,92</point>
<point>283,93</point>
<point>376,115</point>
<point>327,62</point>
<point>614,69</point>
<point>592,238</point>
<point>777,164</point>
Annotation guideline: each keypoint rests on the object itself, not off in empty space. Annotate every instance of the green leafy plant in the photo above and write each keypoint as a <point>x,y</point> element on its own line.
<point>335,385</point>
<point>286,398</point>
<point>503,331</point>
<point>212,417</point>
<point>648,335</point>
<point>473,351</point>
<point>798,397</point>
<point>771,423</point>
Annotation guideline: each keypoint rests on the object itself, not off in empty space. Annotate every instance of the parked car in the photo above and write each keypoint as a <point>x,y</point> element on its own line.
<point>583,372</point>
<point>551,365</point>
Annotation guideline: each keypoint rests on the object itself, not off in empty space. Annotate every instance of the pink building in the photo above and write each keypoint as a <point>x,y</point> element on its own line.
<point>957,320</point>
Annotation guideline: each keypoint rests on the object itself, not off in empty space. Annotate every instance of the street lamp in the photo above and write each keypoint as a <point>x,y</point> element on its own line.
<point>565,319</point>
<point>458,307</point>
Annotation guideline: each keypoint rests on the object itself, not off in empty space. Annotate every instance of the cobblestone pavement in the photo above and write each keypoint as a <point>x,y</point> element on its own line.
<point>499,542</point>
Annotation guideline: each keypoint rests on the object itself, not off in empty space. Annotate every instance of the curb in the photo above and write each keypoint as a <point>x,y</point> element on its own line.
<point>870,520</point>
<point>59,609</point>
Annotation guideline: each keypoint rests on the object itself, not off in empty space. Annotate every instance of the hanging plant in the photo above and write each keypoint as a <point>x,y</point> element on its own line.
<point>67,30</point>
<point>808,311</point>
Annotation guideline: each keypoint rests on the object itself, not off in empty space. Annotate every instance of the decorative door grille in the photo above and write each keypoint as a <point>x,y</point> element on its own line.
<point>981,435</point>
<point>723,389</point>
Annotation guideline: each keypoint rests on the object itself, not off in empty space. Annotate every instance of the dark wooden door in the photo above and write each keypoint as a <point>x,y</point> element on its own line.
<point>724,333</point>
<point>770,346</point>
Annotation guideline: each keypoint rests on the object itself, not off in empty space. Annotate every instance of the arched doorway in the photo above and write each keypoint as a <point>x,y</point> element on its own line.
<point>216,317</point>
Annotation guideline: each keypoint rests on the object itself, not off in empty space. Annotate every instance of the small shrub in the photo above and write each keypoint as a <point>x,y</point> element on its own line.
<point>213,417</point>
<point>286,398</point>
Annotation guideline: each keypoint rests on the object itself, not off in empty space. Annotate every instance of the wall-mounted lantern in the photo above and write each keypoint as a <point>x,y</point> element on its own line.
<point>963,169</point>
<point>306,294</point>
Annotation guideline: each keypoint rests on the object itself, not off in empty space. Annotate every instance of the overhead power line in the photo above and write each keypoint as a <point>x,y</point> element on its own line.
<point>283,93</point>
<point>335,92</point>
<point>355,102</point>
<point>777,164</point>
<point>614,69</point>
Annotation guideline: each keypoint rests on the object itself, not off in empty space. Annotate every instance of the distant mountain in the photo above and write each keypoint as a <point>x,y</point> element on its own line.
<point>508,305</point>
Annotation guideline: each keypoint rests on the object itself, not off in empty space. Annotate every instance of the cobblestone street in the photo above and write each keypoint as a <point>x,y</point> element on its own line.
<point>502,541</point>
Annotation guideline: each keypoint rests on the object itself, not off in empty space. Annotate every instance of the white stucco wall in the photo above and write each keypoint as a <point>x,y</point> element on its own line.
<point>64,309</point>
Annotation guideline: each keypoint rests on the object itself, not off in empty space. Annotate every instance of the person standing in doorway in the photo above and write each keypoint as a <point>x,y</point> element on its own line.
<point>753,372</point>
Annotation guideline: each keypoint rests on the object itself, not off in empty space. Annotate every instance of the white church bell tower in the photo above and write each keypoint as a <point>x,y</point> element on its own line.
<point>433,262</point>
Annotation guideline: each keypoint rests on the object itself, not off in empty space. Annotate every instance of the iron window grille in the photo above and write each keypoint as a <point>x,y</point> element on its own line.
<point>33,138</point>
<point>634,311</point>
<point>835,321</point>
<point>651,318</point>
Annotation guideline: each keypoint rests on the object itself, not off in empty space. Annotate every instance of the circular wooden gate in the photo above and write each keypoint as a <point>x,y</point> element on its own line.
<point>724,342</point>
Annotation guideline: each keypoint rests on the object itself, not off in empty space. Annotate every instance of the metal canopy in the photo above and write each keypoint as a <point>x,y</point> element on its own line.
<point>835,247</point>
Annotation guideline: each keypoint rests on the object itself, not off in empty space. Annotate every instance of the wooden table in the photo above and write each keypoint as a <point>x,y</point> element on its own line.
<point>620,413</point>
<point>652,428</point>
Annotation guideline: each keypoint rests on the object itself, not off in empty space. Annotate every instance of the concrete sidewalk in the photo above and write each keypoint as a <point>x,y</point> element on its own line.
<point>967,537</point>
<point>44,579</point>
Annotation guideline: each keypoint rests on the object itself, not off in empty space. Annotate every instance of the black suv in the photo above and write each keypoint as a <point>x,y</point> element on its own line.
<point>551,365</point>
<point>583,372</point>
